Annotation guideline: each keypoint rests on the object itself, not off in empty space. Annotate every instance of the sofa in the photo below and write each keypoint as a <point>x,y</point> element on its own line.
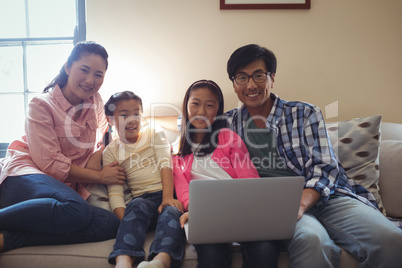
<point>386,168</point>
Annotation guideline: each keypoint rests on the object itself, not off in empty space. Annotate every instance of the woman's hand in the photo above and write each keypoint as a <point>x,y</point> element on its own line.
<point>183,219</point>
<point>112,174</point>
<point>171,202</point>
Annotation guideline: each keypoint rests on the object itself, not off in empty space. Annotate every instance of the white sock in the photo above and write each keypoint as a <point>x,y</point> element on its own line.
<point>151,264</point>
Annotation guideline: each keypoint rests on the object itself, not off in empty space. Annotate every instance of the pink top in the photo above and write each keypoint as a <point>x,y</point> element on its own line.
<point>53,141</point>
<point>231,154</point>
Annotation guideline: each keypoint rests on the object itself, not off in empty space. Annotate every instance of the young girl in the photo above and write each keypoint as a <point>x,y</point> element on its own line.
<point>206,150</point>
<point>145,156</point>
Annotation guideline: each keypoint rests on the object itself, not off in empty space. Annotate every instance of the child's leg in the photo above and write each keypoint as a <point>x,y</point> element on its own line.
<point>139,214</point>
<point>124,261</point>
<point>169,242</point>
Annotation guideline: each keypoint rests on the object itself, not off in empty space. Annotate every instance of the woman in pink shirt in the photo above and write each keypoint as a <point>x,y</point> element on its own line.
<point>43,180</point>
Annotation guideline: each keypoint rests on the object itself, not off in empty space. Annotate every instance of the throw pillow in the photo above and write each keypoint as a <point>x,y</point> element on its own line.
<point>357,144</point>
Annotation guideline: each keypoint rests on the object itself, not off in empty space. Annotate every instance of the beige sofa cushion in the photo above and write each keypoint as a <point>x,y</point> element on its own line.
<point>356,142</point>
<point>391,177</point>
<point>391,131</point>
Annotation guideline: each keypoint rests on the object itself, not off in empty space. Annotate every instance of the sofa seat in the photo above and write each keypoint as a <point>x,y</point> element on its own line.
<point>95,254</point>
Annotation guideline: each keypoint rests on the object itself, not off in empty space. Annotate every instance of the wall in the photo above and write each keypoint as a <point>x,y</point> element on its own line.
<point>341,54</point>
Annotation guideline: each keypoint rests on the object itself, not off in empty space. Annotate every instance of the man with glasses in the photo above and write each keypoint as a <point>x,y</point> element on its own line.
<point>289,138</point>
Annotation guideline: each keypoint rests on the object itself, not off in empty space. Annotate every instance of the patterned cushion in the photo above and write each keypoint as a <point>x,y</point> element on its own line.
<point>356,142</point>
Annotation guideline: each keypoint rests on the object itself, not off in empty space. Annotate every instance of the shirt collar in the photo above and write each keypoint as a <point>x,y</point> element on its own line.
<point>275,113</point>
<point>63,102</point>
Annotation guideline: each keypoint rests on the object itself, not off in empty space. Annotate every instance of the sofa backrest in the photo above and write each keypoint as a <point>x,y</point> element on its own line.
<point>390,181</point>
<point>391,131</point>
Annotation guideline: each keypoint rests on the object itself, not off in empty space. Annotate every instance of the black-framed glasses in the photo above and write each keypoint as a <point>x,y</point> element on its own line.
<point>242,79</point>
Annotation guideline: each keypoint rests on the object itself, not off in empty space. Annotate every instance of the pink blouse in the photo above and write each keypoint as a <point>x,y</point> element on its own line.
<point>53,141</point>
<point>231,155</point>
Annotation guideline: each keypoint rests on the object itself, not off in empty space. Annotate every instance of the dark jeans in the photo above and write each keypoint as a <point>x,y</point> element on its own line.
<point>40,210</point>
<point>255,254</point>
<point>141,215</point>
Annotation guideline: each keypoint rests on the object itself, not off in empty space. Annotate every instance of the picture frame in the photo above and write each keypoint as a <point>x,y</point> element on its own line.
<point>264,4</point>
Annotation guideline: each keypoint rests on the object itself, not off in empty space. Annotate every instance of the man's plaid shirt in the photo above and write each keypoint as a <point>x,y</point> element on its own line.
<point>303,141</point>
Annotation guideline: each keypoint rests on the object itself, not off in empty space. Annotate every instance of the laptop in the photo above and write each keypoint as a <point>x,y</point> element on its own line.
<point>241,210</point>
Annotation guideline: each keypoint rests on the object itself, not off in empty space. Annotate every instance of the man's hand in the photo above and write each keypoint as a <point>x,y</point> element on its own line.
<point>112,174</point>
<point>309,198</point>
<point>171,202</point>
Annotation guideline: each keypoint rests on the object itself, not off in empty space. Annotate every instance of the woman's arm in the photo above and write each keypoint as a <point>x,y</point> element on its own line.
<point>44,128</point>
<point>110,174</point>
<point>95,161</point>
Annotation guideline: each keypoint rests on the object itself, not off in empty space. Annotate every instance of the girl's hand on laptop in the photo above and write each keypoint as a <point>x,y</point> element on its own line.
<point>171,202</point>
<point>183,219</point>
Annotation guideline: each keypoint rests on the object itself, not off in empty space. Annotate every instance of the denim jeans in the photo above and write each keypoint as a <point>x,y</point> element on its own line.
<point>255,254</point>
<point>359,229</point>
<point>141,215</point>
<point>40,210</point>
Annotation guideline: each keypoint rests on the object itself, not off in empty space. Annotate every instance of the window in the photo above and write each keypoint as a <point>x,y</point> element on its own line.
<point>36,38</point>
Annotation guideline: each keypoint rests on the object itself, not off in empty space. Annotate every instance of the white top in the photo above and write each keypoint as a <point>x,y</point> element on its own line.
<point>205,167</point>
<point>142,162</point>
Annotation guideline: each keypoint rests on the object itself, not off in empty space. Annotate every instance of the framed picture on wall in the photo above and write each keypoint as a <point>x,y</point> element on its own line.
<point>264,4</point>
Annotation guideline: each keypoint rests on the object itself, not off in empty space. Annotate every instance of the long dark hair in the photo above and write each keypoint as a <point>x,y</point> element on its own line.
<point>210,141</point>
<point>80,49</point>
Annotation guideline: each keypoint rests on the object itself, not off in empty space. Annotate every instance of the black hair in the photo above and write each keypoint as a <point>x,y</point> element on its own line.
<point>245,55</point>
<point>110,105</point>
<point>80,49</point>
<point>208,145</point>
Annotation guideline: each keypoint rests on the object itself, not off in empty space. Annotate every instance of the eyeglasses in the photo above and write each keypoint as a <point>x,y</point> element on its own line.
<point>242,79</point>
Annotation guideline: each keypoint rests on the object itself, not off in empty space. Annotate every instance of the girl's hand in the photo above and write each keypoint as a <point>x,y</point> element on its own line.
<point>112,174</point>
<point>171,202</point>
<point>119,212</point>
<point>183,219</point>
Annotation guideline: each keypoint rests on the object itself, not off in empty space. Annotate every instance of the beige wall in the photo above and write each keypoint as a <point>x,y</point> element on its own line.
<point>345,55</point>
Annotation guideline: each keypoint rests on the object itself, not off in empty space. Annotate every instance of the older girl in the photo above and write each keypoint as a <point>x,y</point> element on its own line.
<point>207,149</point>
